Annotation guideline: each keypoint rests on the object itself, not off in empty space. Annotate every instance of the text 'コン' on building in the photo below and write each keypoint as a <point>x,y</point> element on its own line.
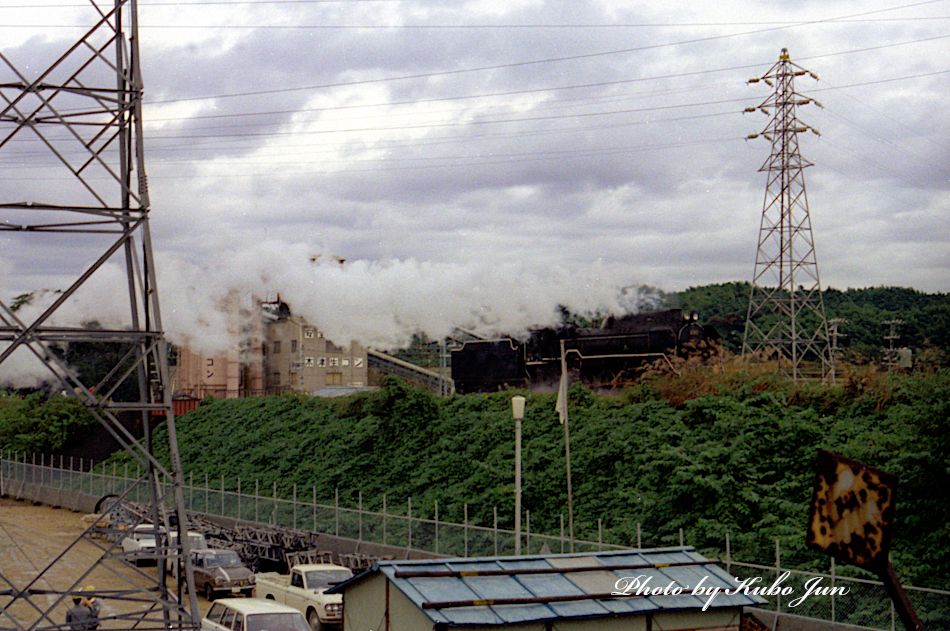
<point>566,592</point>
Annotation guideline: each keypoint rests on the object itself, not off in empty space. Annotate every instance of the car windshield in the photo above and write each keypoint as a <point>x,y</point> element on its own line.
<point>223,559</point>
<point>276,622</point>
<point>323,578</point>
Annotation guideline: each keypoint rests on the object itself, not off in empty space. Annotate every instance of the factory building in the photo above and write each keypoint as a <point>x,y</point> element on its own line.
<point>229,374</point>
<point>298,358</point>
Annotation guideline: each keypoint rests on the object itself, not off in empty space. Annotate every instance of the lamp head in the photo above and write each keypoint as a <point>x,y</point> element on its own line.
<point>517,407</point>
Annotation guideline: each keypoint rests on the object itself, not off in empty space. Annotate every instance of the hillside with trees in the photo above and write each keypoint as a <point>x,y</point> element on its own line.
<point>926,327</point>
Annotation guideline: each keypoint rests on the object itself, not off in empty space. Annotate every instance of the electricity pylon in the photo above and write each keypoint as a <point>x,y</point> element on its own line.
<point>83,114</point>
<point>786,317</point>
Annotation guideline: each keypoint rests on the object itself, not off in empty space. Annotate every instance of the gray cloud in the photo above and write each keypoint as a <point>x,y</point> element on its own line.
<point>650,175</point>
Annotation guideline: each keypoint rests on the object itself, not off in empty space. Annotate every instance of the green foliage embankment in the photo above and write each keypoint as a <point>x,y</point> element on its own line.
<point>39,425</point>
<point>701,452</point>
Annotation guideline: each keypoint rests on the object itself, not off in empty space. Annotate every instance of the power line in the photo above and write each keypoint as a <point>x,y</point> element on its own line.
<point>528,118</point>
<point>466,161</point>
<point>504,26</point>
<point>517,64</point>
<point>200,3</point>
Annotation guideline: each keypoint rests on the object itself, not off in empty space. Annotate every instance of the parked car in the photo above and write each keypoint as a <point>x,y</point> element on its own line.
<point>304,590</point>
<point>252,614</point>
<point>219,572</point>
<point>196,541</point>
<point>139,544</point>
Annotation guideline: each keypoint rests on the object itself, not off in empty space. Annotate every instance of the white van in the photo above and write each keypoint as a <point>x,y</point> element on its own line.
<point>253,614</point>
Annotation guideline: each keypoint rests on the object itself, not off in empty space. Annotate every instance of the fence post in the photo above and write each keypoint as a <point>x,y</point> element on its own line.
<point>294,497</point>
<point>494,526</point>
<point>600,535</point>
<point>384,519</point>
<point>222,495</point>
<point>639,540</point>
<point>113,476</point>
<point>273,514</point>
<point>437,526</point>
<point>893,621</point>
<point>527,531</point>
<point>239,499</point>
<point>313,505</point>
<point>681,537</point>
<point>409,521</point>
<point>728,554</point>
<point>336,511</point>
<point>465,526</point>
<point>191,489</point>
<point>359,499</point>
<point>562,533</point>
<point>207,495</point>
<point>778,571</point>
<point>81,471</point>
<point>257,494</point>
<point>832,590</point>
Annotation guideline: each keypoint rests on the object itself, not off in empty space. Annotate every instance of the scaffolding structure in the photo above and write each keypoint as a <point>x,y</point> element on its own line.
<point>80,211</point>
<point>786,321</point>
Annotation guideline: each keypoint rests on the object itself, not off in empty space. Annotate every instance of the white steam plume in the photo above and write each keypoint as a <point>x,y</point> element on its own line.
<point>377,303</point>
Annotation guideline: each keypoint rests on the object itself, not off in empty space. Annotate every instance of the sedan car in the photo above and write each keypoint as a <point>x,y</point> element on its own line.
<point>219,572</point>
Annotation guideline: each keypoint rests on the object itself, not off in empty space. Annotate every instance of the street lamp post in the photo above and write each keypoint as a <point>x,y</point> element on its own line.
<point>517,410</point>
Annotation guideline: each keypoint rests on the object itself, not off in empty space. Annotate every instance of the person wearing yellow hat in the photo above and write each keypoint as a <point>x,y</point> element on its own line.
<point>93,604</point>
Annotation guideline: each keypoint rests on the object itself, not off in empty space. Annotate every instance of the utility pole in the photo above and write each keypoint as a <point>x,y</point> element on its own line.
<point>890,353</point>
<point>786,322</point>
<point>833,331</point>
<point>77,124</point>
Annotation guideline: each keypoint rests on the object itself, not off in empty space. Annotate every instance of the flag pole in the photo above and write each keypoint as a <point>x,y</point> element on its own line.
<point>565,421</point>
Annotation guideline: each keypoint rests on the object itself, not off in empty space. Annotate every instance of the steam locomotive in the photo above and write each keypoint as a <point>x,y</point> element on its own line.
<point>605,356</point>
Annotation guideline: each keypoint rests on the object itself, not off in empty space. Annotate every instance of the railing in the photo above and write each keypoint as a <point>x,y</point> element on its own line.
<point>864,605</point>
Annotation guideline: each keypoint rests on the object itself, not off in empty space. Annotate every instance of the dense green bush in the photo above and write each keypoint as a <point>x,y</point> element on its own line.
<point>708,452</point>
<point>36,424</point>
<point>736,457</point>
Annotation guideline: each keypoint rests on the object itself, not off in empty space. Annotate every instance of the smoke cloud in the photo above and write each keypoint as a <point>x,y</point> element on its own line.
<point>379,304</point>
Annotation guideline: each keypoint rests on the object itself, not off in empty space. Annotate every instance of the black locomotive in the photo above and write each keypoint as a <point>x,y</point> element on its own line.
<point>605,356</point>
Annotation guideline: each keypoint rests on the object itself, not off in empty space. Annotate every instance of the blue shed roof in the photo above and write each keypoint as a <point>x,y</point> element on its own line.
<point>501,590</point>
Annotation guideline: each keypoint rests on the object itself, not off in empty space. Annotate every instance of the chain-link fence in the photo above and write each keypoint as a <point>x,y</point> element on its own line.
<point>848,600</point>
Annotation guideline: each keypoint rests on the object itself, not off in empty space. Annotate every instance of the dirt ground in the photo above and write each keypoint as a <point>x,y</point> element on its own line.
<point>33,538</point>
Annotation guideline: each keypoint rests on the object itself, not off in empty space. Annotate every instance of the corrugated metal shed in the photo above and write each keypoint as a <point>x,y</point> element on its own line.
<point>491,591</point>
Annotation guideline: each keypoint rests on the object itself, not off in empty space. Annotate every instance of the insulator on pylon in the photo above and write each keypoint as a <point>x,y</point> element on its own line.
<point>748,110</point>
<point>751,136</point>
<point>753,80</point>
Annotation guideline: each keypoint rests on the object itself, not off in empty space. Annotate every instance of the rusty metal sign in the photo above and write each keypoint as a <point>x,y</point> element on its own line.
<point>852,511</point>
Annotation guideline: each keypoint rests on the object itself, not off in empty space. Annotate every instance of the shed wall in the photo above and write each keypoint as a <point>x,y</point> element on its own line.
<point>364,608</point>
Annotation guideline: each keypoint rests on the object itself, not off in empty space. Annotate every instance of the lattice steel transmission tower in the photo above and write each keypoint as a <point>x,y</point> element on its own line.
<point>79,211</point>
<point>786,317</point>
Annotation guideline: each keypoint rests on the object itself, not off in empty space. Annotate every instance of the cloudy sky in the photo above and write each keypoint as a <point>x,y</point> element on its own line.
<point>474,157</point>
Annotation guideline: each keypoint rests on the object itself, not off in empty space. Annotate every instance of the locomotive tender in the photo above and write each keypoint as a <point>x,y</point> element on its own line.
<point>605,356</point>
